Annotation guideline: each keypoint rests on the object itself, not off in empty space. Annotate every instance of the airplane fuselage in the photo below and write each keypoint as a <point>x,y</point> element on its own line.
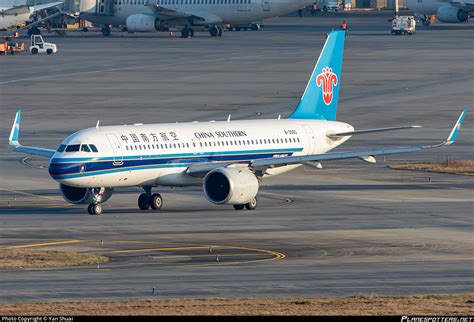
<point>229,11</point>
<point>159,154</point>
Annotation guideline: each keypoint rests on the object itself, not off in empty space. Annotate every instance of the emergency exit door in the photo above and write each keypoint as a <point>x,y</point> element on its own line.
<point>266,5</point>
<point>311,139</point>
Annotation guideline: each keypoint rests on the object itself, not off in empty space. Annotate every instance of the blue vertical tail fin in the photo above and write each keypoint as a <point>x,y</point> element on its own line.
<point>320,98</point>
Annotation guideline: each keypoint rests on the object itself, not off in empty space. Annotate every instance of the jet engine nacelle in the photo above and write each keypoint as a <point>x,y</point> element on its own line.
<point>451,14</point>
<point>142,23</point>
<point>77,196</point>
<point>231,186</point>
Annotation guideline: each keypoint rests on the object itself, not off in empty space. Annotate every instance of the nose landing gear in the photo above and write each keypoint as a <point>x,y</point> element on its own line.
<point>94,209</point>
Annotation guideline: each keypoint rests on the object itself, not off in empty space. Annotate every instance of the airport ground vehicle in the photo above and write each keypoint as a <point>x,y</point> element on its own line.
<point>244,27</point>
<point>330,5</point>
<point>11,47</point>
<point>38,46</point>
<point>403,25</point>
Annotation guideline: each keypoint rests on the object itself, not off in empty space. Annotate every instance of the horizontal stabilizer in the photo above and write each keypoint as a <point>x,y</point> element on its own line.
<point>383,129</point>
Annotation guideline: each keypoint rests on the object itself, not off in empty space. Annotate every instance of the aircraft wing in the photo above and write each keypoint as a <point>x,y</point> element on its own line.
<point>199,170</point>
<point>171,14</point>
<point>16,146</point>
<point>46,6</point>
<point>15,10</point>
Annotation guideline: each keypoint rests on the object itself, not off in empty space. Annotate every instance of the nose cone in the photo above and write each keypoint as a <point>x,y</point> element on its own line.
<point>60,171</point>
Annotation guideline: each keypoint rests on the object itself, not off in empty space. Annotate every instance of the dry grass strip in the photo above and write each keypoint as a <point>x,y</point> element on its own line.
<point>27,258</point>
<point>463,167</point>
<point>357,305</point>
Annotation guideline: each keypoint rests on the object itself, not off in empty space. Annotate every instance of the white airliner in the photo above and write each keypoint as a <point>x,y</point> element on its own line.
<point>155,15</point>
<point>10,17</point>
<point>228,159</point>
<point>451,11</point>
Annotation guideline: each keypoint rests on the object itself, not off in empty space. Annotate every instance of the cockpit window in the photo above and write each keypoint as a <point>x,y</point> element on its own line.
<point>61,148</point>
<point>93,148</point>
<point>85,148</point>
<point>73,148</point>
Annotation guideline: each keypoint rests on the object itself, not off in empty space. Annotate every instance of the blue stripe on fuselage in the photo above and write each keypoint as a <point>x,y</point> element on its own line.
<point>63,168</point>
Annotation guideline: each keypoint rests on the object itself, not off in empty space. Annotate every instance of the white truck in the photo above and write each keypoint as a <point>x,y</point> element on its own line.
<point>330,5</point>
<point>403,25</point>
<point>38,46</point>
<point>327,5</point>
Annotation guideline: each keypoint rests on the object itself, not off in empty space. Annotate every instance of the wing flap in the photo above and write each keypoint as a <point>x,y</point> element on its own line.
<point>383,129</point>
<point>18,10</point>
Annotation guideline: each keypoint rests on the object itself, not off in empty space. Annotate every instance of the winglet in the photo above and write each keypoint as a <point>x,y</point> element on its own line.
<point>454,133</point>
<point>15,132</point>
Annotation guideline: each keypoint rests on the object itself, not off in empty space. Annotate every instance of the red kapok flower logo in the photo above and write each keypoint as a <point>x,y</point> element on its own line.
<point>326,80</point>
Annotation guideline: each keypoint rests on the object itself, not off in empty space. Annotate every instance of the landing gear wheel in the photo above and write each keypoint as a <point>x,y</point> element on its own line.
<point>239,207</point>
<point>252,204</point>
<point>220,31</point>
<point>144,201</point>
<point>191,32</point>
<point>156,201</point>
<point>185,33</point>
<point>97,209</point>
<point>106,31</point>
<point>94,209</point>
<point>255,26</point>
<point>213,31</point>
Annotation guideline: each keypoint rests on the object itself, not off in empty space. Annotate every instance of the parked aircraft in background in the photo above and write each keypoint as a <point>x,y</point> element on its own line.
<point>228,159</point>
<point>10,17</point>
<point>452,11</point>
<point>156,15</point>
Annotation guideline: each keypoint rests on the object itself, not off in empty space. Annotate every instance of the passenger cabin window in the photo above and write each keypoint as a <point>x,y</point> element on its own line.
<point>73,148</point>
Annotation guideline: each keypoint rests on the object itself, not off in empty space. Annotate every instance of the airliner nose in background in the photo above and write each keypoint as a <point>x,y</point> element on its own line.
<point>155,15</point>
<point>450,11</point>
<point>228,159</point>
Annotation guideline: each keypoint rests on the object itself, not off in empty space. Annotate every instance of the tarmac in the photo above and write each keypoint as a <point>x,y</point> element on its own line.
<point>351,228</point>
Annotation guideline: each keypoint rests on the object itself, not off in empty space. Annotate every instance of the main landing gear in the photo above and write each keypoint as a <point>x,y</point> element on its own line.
<point>148,200</point>
<point>106,31</point>
<point>251,205</point>
<point>216,31</point>
<point>187,32</point>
